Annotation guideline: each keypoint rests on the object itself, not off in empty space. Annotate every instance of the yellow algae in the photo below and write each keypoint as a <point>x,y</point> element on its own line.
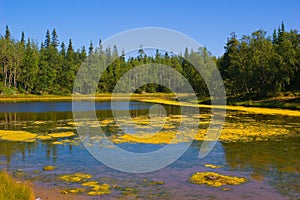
<point>44,137</point>
<point>100,190</point>
<point>226,189</point>
<point>212,166</point>
<point>73,191</point>
<point>231,132</point>
<point>57,142</point>
<point>129,191</point>
<point>77,177</point>
<point>90,184</point>
<point>49,168</point>
<point>106,122</point>
<point>62,134</point>
<point>255,110</point>
<point>63,142</point>
<point>215,180</point>
<point>71,123</point>
<point>63,128</point>
<point>76,190</point>
<point>148,138</point>
<point>20,136</point>
<point>39,122</point>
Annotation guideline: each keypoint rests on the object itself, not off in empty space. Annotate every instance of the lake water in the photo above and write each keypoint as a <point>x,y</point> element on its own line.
<point>272,167</point>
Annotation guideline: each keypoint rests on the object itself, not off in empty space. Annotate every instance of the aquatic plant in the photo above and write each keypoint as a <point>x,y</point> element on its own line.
<point>212,166</point>
<point>100,190</point>
<point>49,168</point>
<point>254,110</point>
<point>20,136</point>
<point>77,177</point>
<point>215,180</point>
<point>73,191</point>
<point>62,134</point>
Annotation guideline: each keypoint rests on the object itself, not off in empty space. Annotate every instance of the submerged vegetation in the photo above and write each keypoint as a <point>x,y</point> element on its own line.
<point>13,190</point>
<point>77,177</point>
<point>95,188</point>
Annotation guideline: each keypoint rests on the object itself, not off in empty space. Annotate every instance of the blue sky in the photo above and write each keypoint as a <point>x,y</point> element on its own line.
<point>208,22</point>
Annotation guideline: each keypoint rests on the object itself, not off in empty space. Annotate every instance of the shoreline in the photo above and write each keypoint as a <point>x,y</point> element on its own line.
<point>277,104</point>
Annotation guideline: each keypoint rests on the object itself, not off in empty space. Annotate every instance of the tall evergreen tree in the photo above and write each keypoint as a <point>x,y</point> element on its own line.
<point>54,39</point>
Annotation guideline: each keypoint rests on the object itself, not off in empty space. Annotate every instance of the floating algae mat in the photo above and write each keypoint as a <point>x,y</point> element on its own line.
<point>77,177</point>
<point>99,189</point>
<point>20,136</point>
<point>215,180</point>
<point>25,136</point>
<point>244,131</point>
<point>212,166</point>
<point>95,188</point>
<point>49,168</point>
<point>62,135</point>
<point>256,110</point>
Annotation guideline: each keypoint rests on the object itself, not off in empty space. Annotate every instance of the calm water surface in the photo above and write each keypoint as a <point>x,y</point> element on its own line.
<point>272,167</point>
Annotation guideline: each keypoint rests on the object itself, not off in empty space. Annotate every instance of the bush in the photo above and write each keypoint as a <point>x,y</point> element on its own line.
<point>12,190</point>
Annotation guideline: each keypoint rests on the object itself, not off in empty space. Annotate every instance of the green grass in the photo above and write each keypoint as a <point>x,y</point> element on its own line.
<point>12,190</point>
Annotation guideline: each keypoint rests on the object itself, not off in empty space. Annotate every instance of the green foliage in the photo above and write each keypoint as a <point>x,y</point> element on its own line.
<point>252,67</point>
<point>258,66</point>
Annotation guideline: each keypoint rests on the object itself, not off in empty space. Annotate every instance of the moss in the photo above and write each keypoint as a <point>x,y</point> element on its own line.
<point>49,168</point>
<point>77,177</point>
<point>215,180</point>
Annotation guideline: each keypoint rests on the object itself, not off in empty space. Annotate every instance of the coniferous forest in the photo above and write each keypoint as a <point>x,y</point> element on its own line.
<point>257,65</point>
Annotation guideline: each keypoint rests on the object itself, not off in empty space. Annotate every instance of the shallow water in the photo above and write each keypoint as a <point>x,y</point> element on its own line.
<point>272,167</point>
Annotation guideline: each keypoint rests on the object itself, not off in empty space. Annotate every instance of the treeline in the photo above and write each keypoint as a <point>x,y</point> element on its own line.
<point>252,66</point>
<point>260,65</point>
<point>28,68</point>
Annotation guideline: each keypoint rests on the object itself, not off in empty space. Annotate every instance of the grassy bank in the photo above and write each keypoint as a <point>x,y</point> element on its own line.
<point>12,190</point>
<point>98,97</point>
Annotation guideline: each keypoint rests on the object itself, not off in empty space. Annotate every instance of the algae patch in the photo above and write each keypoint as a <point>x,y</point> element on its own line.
<point>212,166</point>
<point>215,180</point>
<point>49,168</point>
<point>62,135</point>
<point>19,136</point>
<point>77,177</point>
<point>100,189</point>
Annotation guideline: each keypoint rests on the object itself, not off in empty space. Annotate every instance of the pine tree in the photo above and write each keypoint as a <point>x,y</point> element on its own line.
<point>91,48</point>
<point>23,39</point>
<point>7,33</point>
<point>54,39</point>
<point>47,40</point>
<point>63,49</point>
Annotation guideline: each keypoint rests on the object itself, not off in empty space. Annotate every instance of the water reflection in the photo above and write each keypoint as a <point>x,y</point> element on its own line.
<point>274,162</point>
